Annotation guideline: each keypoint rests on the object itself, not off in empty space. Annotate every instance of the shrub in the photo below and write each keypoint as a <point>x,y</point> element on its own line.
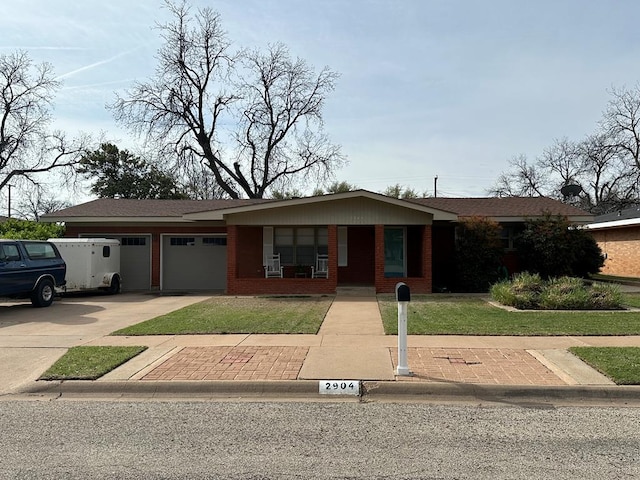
<point>29,230</point>
<point>552,247</point>
<point>522,292</point>
<point>529,291</point>
<point>606,296</point>
<point>478,254</point>
<point>564,293</point>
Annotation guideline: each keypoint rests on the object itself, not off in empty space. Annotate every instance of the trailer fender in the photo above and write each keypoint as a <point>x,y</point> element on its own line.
<point>111,282</point>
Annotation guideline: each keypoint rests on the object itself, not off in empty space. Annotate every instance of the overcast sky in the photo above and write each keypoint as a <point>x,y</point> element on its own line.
<point>447,88</point>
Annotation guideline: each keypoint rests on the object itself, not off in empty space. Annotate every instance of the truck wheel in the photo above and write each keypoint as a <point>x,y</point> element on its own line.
<point>115,286</point>
<point>43,294</point>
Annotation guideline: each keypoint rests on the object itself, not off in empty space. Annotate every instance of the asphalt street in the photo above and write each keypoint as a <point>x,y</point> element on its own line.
<point>329,440</point>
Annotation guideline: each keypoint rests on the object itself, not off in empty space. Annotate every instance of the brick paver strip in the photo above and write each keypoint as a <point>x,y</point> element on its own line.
<point>231,363</point>
<point>501,366</point>
<point>471,365</point>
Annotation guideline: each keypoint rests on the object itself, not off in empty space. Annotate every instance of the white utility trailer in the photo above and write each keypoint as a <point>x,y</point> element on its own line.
<point>92,263</point>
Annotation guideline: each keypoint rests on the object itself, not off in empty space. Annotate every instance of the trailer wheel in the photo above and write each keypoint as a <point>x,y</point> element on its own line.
<point>43,294</point>
<point>115,285</point>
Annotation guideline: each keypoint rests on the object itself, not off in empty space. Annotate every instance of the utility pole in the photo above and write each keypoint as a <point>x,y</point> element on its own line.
<point>435,187</point>
<point>9,202</point>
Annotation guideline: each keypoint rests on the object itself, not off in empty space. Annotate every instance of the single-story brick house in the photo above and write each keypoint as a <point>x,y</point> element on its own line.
<point>368,239</point>
<point>618,235</point>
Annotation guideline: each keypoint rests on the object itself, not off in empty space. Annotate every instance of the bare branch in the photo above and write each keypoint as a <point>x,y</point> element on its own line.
<point>264,108</point>
<point>27,148</point>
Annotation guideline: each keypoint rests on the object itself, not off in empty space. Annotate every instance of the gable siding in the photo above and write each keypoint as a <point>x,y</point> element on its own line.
<point>354,211</point>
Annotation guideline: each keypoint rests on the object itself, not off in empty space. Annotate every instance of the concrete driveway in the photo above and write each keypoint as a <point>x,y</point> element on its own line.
<point>32,339</point>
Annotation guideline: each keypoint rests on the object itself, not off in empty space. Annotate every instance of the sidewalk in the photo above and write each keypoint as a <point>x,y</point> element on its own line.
<point>351,345</point>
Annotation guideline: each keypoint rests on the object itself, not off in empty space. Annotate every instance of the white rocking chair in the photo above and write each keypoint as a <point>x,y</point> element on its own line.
<point>321,270</point>
<point>272,267</point>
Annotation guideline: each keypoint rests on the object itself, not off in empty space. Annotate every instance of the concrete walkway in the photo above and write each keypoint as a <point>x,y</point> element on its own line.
<point>349,348</point>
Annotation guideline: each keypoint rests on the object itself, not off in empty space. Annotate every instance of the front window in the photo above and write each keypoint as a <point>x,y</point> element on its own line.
<point>507,236</point>
<point>300,246</point>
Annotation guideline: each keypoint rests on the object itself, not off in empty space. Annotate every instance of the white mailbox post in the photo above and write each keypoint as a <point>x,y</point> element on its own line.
<point>403,296</point>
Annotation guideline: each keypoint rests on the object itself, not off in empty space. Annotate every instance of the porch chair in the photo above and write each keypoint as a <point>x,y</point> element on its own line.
<point>321,270</point>
<point>272,267</point>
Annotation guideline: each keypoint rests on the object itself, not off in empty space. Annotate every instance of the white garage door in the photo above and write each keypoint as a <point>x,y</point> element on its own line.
<point>135,260</point>
<point>194,262</point>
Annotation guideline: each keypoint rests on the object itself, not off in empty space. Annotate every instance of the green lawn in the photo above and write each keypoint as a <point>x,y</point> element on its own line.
<point>471,315</point>
<point>89,363</point>
<point>620,364</point>
<point>239,315</point>
<point>632,300</point>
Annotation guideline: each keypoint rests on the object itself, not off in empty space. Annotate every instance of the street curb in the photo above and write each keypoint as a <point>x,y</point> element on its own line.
<point>507,394</point>
<point>371,390</point>
<point>178,388</point>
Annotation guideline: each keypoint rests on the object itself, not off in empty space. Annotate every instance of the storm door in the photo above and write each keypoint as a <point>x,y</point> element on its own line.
<point>395,264</point>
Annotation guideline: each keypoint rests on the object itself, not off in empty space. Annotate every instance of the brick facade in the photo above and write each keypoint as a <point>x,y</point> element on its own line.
<point>363,213</point>
<point>245,273</point>
<point>621,247</point>
<point>417,284</point>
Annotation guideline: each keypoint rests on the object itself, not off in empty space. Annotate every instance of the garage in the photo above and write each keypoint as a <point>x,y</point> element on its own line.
<point>135,260</point>
<point>194,262</point>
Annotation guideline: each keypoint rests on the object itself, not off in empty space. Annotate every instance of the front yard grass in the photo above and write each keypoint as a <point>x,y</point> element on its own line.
<point>472,315</point>
<point>632,300</point>
<point>217,315</point>
<point>620,364</point>
<point>89,363</point>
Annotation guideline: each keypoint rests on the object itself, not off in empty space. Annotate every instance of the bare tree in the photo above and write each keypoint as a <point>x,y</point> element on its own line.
<point>523,179</point>
<point>196,179</point>
<point>621,121</point>
<point>596,164</point>
<point>608,180</point>
<point>38,200</point>
<point>27,147</point>
<point>254,119</point>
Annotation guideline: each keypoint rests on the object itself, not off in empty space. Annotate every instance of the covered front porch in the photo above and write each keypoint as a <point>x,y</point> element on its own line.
<point>366,239</point>
<point>375,255</point>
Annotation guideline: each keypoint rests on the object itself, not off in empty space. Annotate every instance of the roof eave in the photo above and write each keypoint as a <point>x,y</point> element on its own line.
<point>87,219</point>
<point>629,222</point>
<point>522,218</point>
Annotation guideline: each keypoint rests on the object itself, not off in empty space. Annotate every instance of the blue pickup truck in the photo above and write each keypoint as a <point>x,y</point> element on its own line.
<point>31,269</point>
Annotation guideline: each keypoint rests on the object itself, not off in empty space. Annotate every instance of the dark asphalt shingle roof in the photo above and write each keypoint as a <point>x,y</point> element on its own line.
<point>501,206</point>
<point>625,214</point>
<point>122,207</point>
<point>464,207</point>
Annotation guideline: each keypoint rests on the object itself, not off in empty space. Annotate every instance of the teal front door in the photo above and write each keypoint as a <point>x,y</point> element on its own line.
<point>395,264</point>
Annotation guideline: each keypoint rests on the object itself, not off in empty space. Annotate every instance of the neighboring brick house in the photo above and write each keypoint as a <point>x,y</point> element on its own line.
<point>369,239</point>
<point>618,235</point>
